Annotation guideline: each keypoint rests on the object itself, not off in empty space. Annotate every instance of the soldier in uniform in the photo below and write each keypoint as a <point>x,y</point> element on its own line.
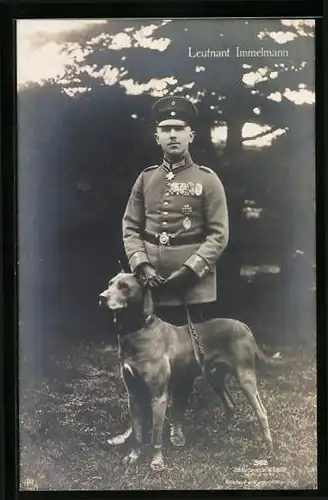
<point>175,225</point>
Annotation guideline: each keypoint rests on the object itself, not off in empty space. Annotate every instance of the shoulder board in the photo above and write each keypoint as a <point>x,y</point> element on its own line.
<point>152,167</point>
<point>207,169</point>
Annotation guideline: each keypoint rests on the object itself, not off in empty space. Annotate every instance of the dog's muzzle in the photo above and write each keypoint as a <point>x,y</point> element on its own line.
<point>102,301</point>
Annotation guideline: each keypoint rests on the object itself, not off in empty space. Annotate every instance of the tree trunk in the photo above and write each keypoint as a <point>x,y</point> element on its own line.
<point>203,151</point>
<point>234,137</point>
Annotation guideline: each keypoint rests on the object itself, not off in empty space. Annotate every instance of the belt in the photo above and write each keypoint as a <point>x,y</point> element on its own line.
<point>166,239</point>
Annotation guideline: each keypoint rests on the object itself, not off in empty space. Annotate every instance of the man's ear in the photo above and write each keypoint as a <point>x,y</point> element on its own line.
<point>192,136</point>
<point>156,138</point>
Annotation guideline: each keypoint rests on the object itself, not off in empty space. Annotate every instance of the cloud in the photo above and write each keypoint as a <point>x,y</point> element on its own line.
<point>43,52</point>
<point>301,96</point>
<point>219,135</point>
<point>156,87</point>
<point>260,75</point>
<point>49,61</point>
<point>144,39</point>
<point>40,56</point>
<point>275,96</point>
<point>287,36</point>
<point>299,25</point>
<point>141,38</point>
<point>109,74</point>
<point>278,36</point>
<point>72,91</point>
<point>253,129</point>
<point>41,31</point>
<point>120,41</point>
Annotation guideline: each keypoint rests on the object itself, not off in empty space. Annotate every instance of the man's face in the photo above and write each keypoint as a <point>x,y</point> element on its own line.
<point>174,137</point>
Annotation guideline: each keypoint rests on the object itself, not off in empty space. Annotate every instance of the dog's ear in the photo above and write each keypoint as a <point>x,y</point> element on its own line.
<point>121,267</point>
<point>148,306</point>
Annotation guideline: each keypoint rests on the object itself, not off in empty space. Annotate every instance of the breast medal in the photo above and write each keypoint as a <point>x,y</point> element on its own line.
<point>198,189</point>
<point>185,188</point>
<point>186,209</point>
<point>186,223</point>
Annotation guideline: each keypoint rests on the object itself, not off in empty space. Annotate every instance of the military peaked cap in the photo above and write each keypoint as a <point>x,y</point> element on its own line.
<point>174,108</point>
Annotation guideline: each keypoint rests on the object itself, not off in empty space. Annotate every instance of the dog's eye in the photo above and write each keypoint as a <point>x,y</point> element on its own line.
<point>110,283</point>
<point>123,286</point>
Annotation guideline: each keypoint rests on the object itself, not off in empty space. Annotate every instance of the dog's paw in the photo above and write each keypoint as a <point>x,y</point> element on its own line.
<point>132,457</point>
<point>120,439</point>
<point>157,464</point>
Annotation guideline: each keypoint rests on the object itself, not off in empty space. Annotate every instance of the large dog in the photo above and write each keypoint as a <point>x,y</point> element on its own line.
<point>158,364</point>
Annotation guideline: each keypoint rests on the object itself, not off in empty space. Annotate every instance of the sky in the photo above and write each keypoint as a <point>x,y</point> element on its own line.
<point>43,53</point>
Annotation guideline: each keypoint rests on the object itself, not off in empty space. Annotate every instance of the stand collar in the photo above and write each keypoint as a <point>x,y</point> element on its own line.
<point>185,162</point>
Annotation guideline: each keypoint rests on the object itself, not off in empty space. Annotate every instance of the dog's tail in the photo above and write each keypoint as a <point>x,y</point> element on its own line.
<point>266,362</point>
<point>276,360</point>
<point>270,366</point>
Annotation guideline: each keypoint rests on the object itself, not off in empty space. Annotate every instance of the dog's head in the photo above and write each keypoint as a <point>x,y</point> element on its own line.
<point>123,290</point>
<point>128,300</point>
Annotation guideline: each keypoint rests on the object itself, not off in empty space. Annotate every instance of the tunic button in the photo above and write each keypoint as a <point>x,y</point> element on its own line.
<point>167,193</point>
<point>165,213</point>
<point>164,223</point>
<point>166,203</point>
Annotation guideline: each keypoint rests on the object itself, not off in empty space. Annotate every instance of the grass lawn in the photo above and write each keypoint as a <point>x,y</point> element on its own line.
<point>65,423</point>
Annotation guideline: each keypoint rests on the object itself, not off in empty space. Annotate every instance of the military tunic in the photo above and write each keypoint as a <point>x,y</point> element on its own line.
<point>187,200</point>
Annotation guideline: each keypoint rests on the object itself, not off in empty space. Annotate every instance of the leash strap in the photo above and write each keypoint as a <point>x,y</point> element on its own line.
<point>195,342</point>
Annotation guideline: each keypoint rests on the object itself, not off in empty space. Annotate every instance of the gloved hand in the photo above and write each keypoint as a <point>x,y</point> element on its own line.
<point>182,278</point>
<point>148,276</point>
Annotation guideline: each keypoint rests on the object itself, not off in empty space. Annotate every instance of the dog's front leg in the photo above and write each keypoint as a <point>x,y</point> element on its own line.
<point>137,430</point>
<point>159,406</point>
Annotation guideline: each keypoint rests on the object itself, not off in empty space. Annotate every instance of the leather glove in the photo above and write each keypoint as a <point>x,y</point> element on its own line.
<point>182,278</point>
<point>148,276</point>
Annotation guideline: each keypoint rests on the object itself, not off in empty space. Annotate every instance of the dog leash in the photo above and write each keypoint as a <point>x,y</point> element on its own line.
<point>194,338</point>
<point>195,342</point>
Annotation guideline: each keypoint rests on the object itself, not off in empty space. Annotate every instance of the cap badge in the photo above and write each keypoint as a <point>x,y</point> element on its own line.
<point>173,103</point>
<point>173,113</point>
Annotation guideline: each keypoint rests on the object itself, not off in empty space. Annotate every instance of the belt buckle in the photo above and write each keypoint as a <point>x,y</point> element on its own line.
<point>164,238</point>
